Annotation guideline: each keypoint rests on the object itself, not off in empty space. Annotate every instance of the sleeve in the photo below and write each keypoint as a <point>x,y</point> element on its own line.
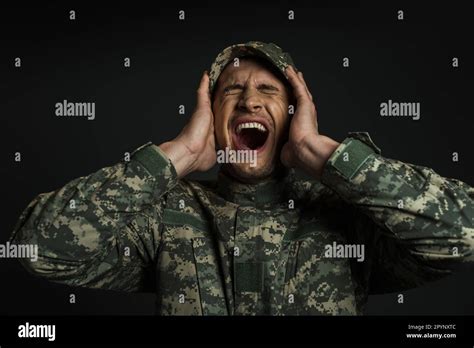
<point>422,223</point>
<point>101,230</point>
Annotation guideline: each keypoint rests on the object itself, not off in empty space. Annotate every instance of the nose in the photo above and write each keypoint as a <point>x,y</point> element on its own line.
<point>250,101</point>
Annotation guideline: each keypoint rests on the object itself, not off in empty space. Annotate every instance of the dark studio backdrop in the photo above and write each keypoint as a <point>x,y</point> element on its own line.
<point>82,60</point>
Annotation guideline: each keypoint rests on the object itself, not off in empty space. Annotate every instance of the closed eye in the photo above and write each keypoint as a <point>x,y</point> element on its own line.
<point>233,89</point>
<point>265,88</point>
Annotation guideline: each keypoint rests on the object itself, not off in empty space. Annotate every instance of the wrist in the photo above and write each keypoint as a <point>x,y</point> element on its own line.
<point>315,152</point>
<point>180,156</point>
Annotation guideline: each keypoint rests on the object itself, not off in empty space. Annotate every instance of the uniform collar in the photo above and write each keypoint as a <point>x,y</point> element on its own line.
<point>265,193</point>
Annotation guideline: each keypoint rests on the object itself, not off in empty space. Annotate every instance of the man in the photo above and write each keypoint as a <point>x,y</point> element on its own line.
<point>257,241</point>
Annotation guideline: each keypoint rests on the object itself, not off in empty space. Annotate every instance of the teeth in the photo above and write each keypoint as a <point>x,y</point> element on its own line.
<point>255,125</point>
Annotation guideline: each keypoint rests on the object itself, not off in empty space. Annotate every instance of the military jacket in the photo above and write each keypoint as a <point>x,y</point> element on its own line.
<point>286,246</point>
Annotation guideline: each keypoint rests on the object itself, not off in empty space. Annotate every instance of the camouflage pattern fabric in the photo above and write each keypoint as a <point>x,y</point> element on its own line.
<point>267,51</point>
<point>226,248</point>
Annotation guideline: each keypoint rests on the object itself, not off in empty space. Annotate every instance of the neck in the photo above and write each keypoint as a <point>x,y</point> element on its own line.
<point>262,192</point>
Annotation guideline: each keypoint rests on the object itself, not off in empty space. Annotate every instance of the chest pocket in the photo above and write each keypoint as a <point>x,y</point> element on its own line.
<point>315,283</point>
<point>188,279</point>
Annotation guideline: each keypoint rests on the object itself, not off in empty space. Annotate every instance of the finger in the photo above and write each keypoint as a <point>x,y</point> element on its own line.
<point>299,88</point>
<point>301,77</point>
<point>203,97</point>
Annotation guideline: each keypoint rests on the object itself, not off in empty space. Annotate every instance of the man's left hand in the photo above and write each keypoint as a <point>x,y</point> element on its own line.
<point>306,148</point>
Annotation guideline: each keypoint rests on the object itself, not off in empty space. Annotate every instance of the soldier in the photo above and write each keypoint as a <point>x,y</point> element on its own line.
<point>258,240</point>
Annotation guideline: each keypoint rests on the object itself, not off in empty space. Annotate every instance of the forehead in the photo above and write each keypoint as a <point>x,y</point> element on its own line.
<point>247,68</point>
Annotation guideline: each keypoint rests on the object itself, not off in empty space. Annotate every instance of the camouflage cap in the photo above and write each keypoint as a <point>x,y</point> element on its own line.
<point>269,51</point>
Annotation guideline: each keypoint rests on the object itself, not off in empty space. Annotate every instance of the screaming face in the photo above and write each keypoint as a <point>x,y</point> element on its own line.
<point>250,108</point>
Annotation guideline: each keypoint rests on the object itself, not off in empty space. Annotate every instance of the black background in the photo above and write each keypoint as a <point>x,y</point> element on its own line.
<point>82,60</point>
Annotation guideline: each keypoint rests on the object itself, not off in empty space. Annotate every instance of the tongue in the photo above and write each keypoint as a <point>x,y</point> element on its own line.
<point>252,138</point>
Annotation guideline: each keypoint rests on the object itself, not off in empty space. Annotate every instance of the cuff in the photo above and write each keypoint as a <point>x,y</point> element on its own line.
<point>156,163</point>
<point>348,159</point>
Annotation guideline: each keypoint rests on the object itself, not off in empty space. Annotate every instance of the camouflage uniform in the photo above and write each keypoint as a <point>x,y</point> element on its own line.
<point>227,248</point>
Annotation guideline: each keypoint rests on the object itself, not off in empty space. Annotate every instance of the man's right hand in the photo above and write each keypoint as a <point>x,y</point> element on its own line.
<point>194,148</point>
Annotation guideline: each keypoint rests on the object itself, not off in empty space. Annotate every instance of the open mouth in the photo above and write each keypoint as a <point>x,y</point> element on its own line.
<point>250,136</point>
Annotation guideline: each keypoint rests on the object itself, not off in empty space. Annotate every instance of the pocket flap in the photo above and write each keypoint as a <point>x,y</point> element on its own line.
<point>173,217</point>
<point>306,229</point>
